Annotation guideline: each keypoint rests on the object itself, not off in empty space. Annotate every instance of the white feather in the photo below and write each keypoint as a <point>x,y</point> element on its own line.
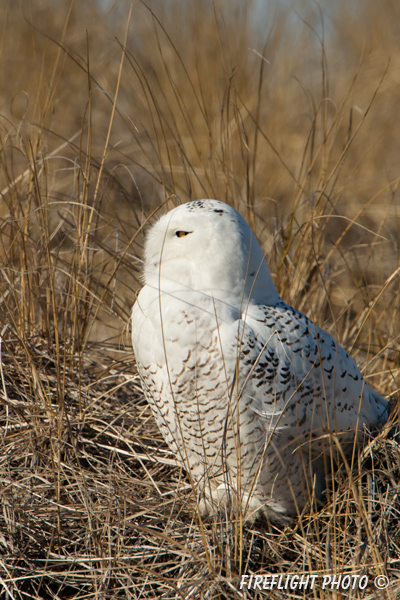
<point>248,391</point>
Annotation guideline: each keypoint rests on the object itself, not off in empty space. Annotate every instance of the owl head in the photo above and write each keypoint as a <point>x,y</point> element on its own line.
<point>208,247</point>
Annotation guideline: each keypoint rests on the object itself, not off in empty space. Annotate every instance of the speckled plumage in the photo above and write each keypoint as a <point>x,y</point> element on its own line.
<point>246,390</point>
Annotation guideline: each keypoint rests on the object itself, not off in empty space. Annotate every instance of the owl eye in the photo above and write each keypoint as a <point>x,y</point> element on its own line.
<point>182,233</point>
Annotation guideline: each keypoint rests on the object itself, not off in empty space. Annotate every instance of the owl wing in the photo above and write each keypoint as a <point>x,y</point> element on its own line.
<point>300,379</point>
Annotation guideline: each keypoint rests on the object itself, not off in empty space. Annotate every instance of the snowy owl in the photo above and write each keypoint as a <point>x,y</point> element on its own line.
<point>248,392</point>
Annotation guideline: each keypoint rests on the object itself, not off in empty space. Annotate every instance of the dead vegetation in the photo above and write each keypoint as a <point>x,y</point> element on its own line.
<point>289,114</point>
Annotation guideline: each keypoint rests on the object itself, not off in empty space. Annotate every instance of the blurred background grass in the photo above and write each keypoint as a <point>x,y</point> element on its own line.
<point>288,112</point>
<point>108,111</point>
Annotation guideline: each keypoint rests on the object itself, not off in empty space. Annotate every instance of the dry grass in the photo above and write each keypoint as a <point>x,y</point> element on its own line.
<point>104,116</point>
